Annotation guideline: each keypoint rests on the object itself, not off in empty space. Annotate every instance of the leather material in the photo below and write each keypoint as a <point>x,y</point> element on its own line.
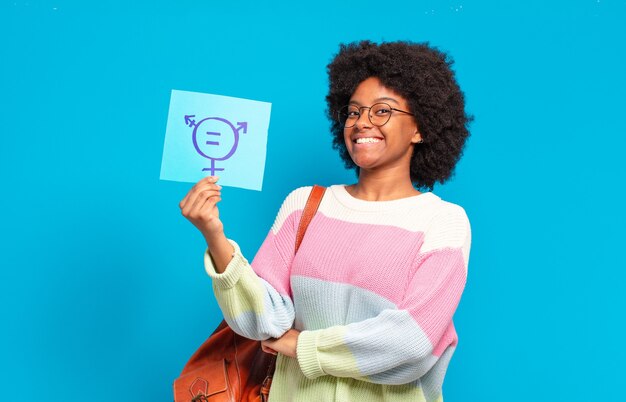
<point>312,203</point>
<point>228,367</point>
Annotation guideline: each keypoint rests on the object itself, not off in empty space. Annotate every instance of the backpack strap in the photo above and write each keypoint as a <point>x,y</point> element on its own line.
<point>312,203</point>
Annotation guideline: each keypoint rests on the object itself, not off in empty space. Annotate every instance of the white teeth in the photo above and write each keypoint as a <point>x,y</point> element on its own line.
<point>367,140</point>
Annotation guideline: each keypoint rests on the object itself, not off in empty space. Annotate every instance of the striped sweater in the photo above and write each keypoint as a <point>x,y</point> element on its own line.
<point>373,289</point>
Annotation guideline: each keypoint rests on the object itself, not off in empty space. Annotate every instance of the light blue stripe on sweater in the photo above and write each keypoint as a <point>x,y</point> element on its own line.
<point>322,304</point>
<point>388,345</point>
<point>391,348</point>
<point>276,319</point>
<point>433,380</point>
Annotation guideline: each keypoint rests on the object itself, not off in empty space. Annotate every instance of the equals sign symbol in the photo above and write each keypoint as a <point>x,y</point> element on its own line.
<point>212,142</point>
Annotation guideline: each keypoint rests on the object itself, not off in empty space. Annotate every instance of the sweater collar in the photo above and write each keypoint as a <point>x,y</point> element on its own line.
<point>345,198</point>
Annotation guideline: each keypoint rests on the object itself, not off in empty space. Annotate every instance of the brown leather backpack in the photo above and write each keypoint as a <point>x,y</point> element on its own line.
<point>231,368</point>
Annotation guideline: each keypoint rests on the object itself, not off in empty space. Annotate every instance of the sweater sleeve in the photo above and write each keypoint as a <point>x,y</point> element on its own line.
<point>256,298</point>
<point>401,345</point>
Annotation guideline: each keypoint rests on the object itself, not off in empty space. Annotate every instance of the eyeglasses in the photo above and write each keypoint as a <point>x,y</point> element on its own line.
<point>379,114</point>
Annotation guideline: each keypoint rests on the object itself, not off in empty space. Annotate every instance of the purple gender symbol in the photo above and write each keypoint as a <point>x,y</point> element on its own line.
<point>235,130</point>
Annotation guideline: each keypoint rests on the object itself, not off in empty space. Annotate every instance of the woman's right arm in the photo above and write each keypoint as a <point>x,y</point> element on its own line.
<point>200,207</point>
<point>255,300</point>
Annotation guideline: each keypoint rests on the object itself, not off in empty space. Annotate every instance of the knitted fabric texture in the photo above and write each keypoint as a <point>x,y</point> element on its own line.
<point>373,288</point>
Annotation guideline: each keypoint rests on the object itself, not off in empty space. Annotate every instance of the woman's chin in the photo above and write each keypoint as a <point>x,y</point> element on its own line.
<point>364,161</point>
<point>365,165</point>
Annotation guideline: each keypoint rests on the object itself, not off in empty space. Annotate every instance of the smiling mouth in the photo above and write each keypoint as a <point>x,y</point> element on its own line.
<point>368,140</point>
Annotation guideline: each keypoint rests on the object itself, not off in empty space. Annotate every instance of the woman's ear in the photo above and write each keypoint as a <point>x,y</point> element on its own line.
<point>417,138</point>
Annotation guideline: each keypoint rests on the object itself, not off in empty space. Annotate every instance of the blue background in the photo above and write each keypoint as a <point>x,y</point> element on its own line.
<point>103,295</point>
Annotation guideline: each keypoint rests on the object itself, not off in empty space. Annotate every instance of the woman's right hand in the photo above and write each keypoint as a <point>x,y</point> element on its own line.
<point>200,207</point>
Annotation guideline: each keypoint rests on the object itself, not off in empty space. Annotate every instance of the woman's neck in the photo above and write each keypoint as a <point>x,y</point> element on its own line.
<point>382,186</point>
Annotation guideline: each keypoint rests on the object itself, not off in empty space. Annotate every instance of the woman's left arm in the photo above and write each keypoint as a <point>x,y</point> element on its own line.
<point>400,345</point>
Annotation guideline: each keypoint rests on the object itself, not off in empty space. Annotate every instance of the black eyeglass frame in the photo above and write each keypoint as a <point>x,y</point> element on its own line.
<point>344,109</point>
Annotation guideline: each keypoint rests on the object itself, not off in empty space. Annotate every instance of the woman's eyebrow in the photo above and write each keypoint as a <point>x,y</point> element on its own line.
<point>384,98</point>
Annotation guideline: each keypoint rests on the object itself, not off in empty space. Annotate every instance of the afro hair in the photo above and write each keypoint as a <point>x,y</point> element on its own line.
<point>423,76</point>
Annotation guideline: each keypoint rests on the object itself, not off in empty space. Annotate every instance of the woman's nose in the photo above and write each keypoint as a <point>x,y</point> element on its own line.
<point>363,121</point>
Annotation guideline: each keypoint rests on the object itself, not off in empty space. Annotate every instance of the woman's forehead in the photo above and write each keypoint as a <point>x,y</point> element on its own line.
<point>371,91</point>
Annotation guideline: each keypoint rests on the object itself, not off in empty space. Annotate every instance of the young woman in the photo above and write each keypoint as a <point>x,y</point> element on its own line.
<point>364,310</point>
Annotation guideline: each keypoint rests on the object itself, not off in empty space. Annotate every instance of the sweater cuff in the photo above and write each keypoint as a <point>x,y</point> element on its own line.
<point>306,353</point>
<point>233,271</point>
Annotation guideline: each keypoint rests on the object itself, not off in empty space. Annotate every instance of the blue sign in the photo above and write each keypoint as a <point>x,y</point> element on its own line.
<point>214,135</point>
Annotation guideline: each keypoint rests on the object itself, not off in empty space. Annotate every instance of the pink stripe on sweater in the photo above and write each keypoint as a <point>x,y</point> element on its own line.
<point>435,290</point>
<point>372,257</point>
<point>273,260</point>
<point>449,338</point>
<point>350,253</point>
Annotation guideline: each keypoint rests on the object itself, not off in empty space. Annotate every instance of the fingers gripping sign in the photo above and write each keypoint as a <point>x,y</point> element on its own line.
<point>199,206</point>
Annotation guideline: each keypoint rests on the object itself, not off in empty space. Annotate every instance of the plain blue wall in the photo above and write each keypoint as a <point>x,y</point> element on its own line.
<point>103,295</point>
